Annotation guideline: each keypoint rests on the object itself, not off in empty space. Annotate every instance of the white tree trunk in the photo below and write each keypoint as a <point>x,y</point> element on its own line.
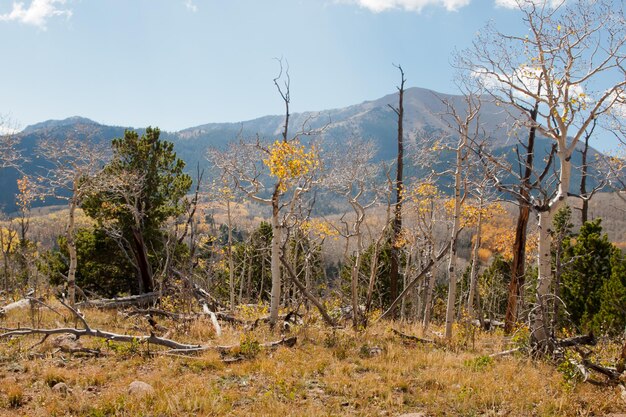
<point>231,263</point>
<point>71,250</point>
<point>474,271</point>
<point>275,265</point>
<point>540,322</point>
<point>453,243</point>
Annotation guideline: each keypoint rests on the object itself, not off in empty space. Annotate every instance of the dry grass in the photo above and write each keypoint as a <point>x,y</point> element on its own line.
<point>328,373</point>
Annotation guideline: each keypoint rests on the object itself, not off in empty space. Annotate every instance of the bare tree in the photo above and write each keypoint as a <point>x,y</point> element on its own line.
<point>575,52</point>
<point>74,163</point>
<point>399,191</point>
<point>585,194</point>
<point>353,176</point>
<point>247,163</point>
<point>10,155</point>
<point>466,129</point>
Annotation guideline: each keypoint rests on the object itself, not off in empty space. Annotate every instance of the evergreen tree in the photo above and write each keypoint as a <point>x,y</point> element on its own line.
<point>589,267</point>
<point>101,268</point>
<point>140,189</point>
<point>611,317</point>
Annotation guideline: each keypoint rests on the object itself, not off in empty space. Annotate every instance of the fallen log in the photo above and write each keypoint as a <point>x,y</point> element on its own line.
<point>505,353</point>
<point>413,338</point>
<point>118,302</point>
<point>16,305</point>
<point>175,347</point>
<point>115,337</point>
<point>611,373</point>
<point>289,342</point>
<point>589,340</point>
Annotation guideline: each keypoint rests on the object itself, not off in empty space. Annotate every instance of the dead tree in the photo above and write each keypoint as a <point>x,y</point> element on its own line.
<point>250,164</point>
<point>576,53</point>
<point>465,123</point>
<point>352,176</point>
<point>399,191</point>
<point>75,162</point>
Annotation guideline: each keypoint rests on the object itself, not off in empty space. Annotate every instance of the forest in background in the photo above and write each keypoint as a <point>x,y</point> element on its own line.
<point>334,237</point>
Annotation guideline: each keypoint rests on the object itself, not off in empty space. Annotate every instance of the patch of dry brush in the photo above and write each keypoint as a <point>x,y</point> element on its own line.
<point>328,372</point>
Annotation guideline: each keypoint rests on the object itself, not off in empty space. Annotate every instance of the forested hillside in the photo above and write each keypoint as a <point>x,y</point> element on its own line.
<point>417,255</point>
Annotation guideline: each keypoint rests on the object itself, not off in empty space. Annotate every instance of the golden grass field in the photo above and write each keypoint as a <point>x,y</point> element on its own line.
<point>327,373</point>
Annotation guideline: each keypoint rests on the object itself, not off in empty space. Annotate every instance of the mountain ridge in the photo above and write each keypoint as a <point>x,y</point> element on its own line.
<point>375,120</point>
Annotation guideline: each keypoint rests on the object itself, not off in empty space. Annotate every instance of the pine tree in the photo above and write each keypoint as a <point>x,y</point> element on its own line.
<point>611,317</point>
<point>139,190</point>
<point>589,269</point>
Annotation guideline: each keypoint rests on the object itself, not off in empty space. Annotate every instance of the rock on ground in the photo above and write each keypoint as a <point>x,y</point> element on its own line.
<point>140,389</point>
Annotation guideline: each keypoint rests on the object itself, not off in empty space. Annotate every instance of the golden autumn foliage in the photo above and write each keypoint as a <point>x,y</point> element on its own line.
<point>498,236</point>
<point>470,213</point>
<point>8,239</point>
<point>26,194</point>
<point>319,228</point>
<point>288,161</point>
<point>423,196</point>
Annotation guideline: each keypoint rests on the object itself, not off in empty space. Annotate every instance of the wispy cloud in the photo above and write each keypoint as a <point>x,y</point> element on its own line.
<point>514,4</point>
<point>189,4</point>
<point>37,12</point>
<point>408,5</point>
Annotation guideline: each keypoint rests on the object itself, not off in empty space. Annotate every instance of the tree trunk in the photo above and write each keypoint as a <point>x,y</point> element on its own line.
<point>474,271</point>
<point>146,283</point>
<point>540,324</point>
<point>275,262</point>
<point>71,250</point>
<point>518,273</point>
<point>584,210</point>
<point>453,243</point>
<point>518,268</point>
<point>397,221</point>
<point>231,263</point>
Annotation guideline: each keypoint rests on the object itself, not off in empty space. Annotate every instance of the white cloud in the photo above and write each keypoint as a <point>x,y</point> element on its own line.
<point>514,4</point>
<point>37,12</point>
<point>189,4</point>
<point>408,5</point>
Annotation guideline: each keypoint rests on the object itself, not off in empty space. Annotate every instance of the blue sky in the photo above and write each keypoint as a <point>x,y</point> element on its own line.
<point>180,63</point>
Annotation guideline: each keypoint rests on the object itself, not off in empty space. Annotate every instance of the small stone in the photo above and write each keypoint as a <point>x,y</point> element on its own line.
<point>140,389</point>
<point>375,351</point>
<point>413,415</point>
<point>61,388</point>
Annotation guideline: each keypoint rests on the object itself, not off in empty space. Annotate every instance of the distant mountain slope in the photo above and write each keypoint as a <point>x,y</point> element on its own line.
<point>374,120</point>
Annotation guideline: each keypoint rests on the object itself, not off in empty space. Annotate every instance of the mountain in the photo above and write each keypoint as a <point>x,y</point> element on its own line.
<point>375,120</point>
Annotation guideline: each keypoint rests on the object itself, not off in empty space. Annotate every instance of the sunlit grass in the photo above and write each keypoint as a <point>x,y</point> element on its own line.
<point>327,373</point>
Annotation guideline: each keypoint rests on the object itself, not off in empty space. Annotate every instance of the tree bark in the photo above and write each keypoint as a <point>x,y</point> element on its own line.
<point>275,262</point>
<point>231,263</point>
<point>540,325</point>
<point>71,250</point>
<point>453,243</point>
<point>474,271</point>
<point>397,221</point>
<point>518,268</point>
<point>146,283</point>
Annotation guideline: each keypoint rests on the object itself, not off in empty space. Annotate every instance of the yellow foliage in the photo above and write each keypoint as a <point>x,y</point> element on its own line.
<point>321,229</point>
<point>423,196</point>
<point>26,194</point>
<point>469,213</point>
<point>290,160</point>
<point>484,254</point>
<point>8,239</point>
